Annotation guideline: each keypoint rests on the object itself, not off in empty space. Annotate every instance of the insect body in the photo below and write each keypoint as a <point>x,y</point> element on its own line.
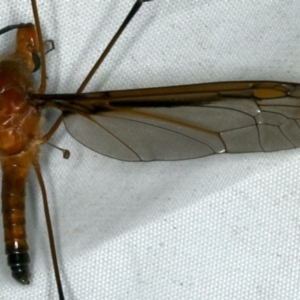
<point>20,145</point>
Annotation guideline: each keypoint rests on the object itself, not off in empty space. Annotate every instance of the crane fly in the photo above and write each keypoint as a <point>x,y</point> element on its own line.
<point>168,123</point>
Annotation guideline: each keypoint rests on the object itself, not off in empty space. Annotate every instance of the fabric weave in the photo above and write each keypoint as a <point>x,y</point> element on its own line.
<point>221,227</point>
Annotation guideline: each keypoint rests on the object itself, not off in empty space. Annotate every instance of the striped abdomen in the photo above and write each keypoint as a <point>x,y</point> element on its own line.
<point>15,170</point>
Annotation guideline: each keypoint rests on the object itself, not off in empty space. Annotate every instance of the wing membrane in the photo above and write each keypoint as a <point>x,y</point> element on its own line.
<point>186,121</point>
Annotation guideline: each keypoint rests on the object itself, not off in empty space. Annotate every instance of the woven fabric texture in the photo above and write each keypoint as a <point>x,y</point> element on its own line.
<point>221,227</point>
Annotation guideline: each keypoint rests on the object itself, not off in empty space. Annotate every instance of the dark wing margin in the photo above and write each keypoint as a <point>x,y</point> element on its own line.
<point>184,122</point>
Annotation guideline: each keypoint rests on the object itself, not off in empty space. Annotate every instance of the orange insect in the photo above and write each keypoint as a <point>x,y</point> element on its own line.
<point>168,123</point>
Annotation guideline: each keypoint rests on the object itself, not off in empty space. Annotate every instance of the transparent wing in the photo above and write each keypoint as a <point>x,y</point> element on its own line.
<point>187,121</point>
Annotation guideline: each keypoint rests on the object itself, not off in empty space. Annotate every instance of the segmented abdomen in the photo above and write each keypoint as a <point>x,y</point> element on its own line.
<point>15,171</point>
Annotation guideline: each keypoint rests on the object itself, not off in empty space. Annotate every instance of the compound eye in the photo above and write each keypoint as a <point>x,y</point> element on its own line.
<point>36,60</point>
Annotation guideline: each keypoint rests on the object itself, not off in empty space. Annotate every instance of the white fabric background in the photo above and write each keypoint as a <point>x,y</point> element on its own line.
<point>221,227</point>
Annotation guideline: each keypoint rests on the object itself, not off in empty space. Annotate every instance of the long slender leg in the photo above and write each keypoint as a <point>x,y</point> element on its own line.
<point>43,83</point>
<point>49,228</point>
